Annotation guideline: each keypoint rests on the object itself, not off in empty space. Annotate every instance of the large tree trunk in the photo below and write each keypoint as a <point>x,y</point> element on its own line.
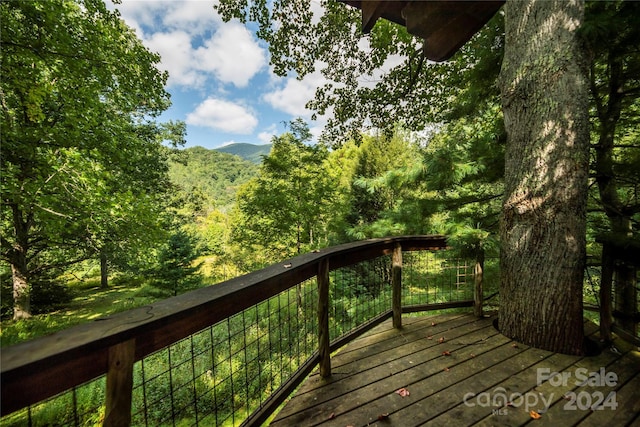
<point>543,230</point>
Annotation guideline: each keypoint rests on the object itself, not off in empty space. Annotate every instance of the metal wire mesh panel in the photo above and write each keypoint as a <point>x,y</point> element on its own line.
<point>242,367</point>
<point>359,293</point>
<point>624,298</point>
<point>80,406</point>
<point>222,374</point>
<point>431,278</point>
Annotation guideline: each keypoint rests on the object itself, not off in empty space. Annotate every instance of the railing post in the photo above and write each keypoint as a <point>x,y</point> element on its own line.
<point>626,296</point>
<point>606,308</point>
<point>478,278</point>
<point>120,384</point>
<point>396,286</point>
<point>324,350</point>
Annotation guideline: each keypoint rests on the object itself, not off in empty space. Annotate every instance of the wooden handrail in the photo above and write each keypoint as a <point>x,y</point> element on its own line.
<point>36,370</point>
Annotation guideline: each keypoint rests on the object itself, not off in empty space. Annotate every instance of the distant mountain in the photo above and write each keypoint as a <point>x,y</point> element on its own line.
<point>211,174</point>
<point>249,152</point>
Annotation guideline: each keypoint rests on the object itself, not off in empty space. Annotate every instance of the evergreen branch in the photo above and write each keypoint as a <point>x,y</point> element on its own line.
<point>462,201</point>
<point>626,146</point>
<point>630,91</point>
<point>594,90</point>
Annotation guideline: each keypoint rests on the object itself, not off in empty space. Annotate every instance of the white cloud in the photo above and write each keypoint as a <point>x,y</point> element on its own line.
<point>231,54</point>
<point>223,115</point>
<point>197,17</point>
<point>193,42</point>
<point>267,135</point>
<point>177,57</point>
<point>317,129</point>
<point>294,94</point>
<point>391,62</point>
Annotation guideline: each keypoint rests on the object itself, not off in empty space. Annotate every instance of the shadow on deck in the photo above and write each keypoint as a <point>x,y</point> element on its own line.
<point>459,371</point>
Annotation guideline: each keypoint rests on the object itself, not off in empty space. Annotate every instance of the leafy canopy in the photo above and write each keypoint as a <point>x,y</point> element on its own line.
<point>83,158</point>
<point>285,209</point>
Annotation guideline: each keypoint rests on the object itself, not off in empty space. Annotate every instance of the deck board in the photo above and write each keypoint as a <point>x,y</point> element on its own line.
<point>439,360</point>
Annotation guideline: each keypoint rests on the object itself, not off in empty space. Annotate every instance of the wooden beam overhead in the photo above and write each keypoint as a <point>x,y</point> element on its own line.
<point>444,25</point>
<point>371,11</point>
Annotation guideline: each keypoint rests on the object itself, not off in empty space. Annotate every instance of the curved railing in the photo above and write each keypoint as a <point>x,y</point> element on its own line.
<point>231,352</point>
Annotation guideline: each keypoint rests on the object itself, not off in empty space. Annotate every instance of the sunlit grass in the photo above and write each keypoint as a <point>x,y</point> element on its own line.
<point>90,302</point>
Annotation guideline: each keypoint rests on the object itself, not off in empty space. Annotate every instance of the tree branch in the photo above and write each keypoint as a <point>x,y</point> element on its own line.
<point>626,146</point>
<point>45,267</point>
<point>631,91</point>
<point>53,212</point>
<point>594,90</point>
<point>40,52</point>
<point>413,77</point>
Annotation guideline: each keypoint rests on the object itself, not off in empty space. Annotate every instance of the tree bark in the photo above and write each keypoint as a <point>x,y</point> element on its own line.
<point>543,229</point>
<point>19,264</point>
<point>21,288</point>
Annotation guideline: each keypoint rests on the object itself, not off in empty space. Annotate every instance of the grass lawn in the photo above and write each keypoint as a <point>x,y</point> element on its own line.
<point>89,303</point>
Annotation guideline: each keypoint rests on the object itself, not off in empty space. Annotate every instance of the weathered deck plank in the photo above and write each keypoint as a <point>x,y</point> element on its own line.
<point>526,378</point>
<point>358,378</point>
<point>441,360</point>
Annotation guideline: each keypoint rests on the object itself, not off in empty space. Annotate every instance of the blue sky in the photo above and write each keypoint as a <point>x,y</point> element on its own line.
<point>220,80</point>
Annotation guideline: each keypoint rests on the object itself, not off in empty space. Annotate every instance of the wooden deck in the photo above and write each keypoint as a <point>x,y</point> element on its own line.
<point>456,370</point>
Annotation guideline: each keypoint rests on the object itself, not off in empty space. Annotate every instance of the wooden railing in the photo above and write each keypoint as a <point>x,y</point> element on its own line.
<point>36,370</point>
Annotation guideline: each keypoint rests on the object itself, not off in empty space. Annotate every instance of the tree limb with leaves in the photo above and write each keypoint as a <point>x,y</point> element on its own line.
<point>81,150</point>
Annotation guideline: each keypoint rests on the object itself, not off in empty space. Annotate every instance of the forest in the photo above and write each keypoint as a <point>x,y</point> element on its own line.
<point>89,204</point>
<point>103,210</point>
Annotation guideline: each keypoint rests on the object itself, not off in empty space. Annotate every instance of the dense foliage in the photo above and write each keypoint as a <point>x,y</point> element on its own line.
<point>83,161</point>
<point>210,175</point>
<point>286,208</point>
<point>78,189</point>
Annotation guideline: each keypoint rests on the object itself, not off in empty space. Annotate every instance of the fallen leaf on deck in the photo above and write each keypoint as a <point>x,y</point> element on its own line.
<point>472,355</point>
<point>446,369</point>
<point>332,416</point>
<point>382,417</point>
<point>446,353</point>
<point>287,266</point>
<point>433,323</point>
<point>403,392</point>
<point>441,340</point>
<point>430,337</point>
<point>535,415</point>
<point>514,345</point>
